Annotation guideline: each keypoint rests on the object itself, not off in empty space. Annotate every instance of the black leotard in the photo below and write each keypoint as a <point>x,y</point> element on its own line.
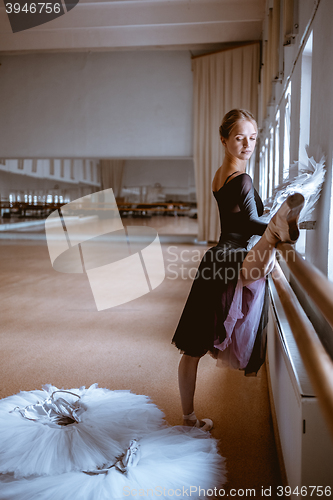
<point>239,204</point>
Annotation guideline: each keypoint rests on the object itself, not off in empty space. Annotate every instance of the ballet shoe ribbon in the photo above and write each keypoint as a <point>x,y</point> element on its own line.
<point>130,458</point>
<point>53,411</point>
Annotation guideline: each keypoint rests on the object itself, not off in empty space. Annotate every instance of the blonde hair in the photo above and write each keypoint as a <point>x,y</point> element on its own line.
<point>231,118</point>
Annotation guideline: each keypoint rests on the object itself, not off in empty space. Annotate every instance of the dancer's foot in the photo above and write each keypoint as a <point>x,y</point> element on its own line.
<point>283,225</point>
<point>191,421</point>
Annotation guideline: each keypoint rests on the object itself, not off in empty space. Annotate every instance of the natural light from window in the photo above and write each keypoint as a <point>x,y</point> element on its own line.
<point>286,144</point>
<point>305,105</point>
<point>277,150</point>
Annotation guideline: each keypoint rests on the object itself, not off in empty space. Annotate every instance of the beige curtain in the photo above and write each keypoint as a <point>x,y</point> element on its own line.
<point>112,175</point>
<point>222,81</point>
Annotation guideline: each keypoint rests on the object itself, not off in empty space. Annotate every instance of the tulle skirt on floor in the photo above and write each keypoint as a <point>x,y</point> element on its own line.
<point>108,421</point>
<point>120,446</point>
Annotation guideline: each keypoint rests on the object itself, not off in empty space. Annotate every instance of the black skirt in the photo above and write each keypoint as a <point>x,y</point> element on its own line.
<point>208,304</point>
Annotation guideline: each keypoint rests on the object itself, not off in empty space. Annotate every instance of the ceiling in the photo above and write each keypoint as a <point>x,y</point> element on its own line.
<point>196,25</point>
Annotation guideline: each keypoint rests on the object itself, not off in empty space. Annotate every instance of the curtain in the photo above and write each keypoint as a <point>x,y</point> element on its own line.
<point>112,175</point>
<point>222,81</point>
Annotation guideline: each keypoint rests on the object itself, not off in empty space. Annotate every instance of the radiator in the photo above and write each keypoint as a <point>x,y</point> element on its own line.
<point>306,445</point>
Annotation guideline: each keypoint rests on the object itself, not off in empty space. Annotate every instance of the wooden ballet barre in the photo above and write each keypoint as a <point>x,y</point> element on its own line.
<point>313,281</point>
<point>317,362</point>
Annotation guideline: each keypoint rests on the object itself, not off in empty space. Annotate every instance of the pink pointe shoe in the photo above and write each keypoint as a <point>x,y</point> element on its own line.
<point>283,225</point>
<point>208,424</point>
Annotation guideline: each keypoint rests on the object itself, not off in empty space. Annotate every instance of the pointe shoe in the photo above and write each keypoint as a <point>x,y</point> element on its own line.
<point>208,423</point>
<point>283,225</point>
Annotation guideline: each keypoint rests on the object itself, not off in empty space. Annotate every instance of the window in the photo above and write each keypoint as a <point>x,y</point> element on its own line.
<point>305,105</point>
<point>277,150</point>
<point>92,171</point>
<point>72,170</point>
<point>271,162</point>
<point>52,167</point>
<point>286,142</point>
<point>330,238</point>
<point>304,122</point>
<point>98,168</point>
<point>264,170</point>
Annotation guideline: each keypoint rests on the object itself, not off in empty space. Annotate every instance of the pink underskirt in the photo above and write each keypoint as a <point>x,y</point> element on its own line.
<point>242,324</point>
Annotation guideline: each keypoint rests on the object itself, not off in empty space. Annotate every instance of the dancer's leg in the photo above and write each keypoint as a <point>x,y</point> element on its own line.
<point>187,375</point>
<point>259,261</point>
<point>282,227</point>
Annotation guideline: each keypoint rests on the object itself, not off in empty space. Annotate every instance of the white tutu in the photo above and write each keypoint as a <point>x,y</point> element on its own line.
<point>174,462</point>
<point>108,421</point>
<point>119,447</point>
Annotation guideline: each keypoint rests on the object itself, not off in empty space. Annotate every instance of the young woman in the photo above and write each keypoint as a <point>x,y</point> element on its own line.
<point>226,310</point>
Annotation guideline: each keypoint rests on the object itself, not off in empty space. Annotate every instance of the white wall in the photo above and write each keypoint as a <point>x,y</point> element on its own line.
<point>168,173</point>
<point>96,105</point>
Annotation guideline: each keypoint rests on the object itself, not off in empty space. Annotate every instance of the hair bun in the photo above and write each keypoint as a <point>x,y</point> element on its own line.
<point>231,118</point>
